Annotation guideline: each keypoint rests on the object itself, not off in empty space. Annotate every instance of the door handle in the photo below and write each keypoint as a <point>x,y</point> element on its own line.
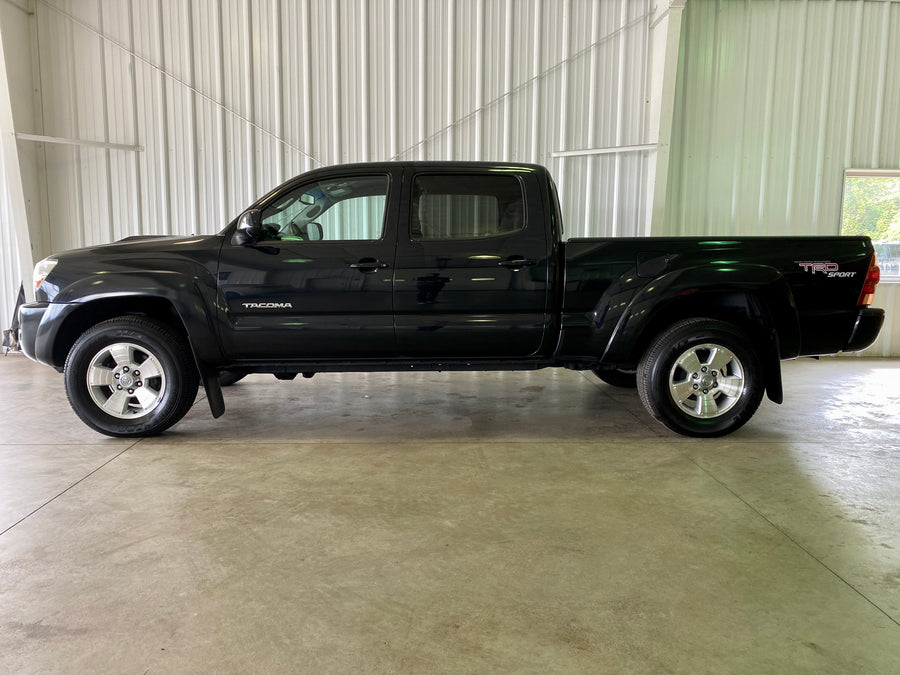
<point>517,263</point>
<point>369,265</point>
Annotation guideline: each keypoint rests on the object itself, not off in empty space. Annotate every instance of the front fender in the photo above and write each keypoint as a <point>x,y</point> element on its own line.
<point>189,292</point>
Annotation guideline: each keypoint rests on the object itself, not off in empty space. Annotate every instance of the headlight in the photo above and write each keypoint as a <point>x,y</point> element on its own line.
<point>42,269</point>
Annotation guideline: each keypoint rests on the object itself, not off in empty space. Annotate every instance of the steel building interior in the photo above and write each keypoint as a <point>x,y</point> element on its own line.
<point>533,521</point>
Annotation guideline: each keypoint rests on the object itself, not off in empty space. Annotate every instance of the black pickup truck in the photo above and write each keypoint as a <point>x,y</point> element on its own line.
<point>440,266</point>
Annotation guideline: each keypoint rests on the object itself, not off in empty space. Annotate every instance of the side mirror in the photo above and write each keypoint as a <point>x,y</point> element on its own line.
<point>248,228</point>
<point>312,232</point>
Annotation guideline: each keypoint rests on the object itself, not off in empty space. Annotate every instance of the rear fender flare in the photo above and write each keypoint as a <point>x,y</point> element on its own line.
<point>758,297</point>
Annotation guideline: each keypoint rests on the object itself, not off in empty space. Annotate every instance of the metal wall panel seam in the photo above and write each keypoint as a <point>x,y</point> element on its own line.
<point>678,205</point>
<point>423,13</point>
<point>767,129</point>
<point>104,100</point>
<point>537,36</point>
<point>563,94</point>
<point>882,83</point>
<point>507,79</point>
<point>221,172</point>
<point>306,75</point>
<point>666,133</point>
<point>854,85</point>
<point>642,164</point>
<point>620,115</point>
<point>164,127</point>
<point>278,78</point>
<point>41,155</point>
<point>70,98</point>
<point>711,112</point>
<point>137,208</point>
<point>335,84</point>
<point>194,126</point>
<point>799,62</point>
<point>644,188</point>
<point>364,85</point>
<point>451,74</point>
<point>248,86</point>
<point>590,193</point>
<point>479,77</point>
<point>393,79</point>
<point>823,118</point>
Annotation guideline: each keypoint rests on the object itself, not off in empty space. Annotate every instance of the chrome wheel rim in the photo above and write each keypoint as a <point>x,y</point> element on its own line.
<point>706,381</point>
<point>126,380</point>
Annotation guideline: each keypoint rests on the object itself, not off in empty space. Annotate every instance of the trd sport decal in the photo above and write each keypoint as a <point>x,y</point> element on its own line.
<point>829,269</point>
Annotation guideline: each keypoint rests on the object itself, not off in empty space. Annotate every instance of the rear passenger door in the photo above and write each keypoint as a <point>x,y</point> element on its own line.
<point>471,276</point>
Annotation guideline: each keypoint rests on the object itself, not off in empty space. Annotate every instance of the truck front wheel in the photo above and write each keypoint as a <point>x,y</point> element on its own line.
<point>130,377</point>
<point>701,377</point>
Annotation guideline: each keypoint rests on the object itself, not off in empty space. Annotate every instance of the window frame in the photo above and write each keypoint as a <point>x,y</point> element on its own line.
<point>889,275</point>
<point>305,186</point>
<point>445,174</point>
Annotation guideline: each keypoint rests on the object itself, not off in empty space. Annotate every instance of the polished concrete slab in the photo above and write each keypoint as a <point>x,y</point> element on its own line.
<point>428,522</point>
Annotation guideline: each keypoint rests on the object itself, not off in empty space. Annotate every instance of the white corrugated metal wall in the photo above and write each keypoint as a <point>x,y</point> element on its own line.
<point>213,103</point>
<point>229,99</point>
<point>18,167</point>
<point>774,100</point>
<point>224,100</point>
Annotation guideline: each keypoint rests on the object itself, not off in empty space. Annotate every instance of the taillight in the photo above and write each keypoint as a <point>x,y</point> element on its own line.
<point>873,276</point>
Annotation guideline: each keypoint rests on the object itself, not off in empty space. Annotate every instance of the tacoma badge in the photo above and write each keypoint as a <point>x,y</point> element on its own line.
<point>267,305</point>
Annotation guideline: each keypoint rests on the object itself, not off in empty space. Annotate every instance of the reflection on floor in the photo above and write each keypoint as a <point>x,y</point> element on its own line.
<point>468,522</point>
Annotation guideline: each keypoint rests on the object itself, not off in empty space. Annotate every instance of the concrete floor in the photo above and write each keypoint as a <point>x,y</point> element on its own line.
<point>530,522</point>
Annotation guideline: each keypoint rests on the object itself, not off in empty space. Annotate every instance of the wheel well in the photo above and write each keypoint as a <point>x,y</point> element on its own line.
<point>743,310</point>
<point>97,311</point>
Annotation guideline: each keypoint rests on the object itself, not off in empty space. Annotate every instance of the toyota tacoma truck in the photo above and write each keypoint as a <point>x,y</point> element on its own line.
<point>440,266</point>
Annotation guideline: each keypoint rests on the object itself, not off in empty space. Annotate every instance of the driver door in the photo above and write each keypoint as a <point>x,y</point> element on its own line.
<point>317,284</point>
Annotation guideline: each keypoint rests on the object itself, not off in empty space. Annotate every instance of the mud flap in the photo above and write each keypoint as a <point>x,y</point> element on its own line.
<point>772,369</point>
<point>210,379</point>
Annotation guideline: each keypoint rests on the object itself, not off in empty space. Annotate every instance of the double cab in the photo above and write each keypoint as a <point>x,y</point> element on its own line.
<point>440,266</point>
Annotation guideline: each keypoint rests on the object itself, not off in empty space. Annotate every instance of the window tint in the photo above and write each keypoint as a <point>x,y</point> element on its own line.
<point>331,210</point>
<point>465,207</point>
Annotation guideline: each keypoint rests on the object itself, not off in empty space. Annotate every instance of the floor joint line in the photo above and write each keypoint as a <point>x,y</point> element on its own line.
<point>796,543</point>
<point>77,482</point>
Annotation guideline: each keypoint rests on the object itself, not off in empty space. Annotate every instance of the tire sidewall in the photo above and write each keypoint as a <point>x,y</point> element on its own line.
<point>653,377</point>
<point>164,346</point>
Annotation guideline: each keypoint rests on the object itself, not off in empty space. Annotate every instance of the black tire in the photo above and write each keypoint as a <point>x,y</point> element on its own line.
<point>701,377</point>
<point>230,377</point>
<point>627,379</point>
<point>121,400</point>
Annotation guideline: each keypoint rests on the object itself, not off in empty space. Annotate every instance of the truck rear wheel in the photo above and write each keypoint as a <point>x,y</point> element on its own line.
<point>130,377</point>
<point>701,377</point>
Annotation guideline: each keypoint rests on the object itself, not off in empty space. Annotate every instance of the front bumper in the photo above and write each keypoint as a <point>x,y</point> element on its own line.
<point>865,331</point>
<point>30,317</point>
<point>39,325</point>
